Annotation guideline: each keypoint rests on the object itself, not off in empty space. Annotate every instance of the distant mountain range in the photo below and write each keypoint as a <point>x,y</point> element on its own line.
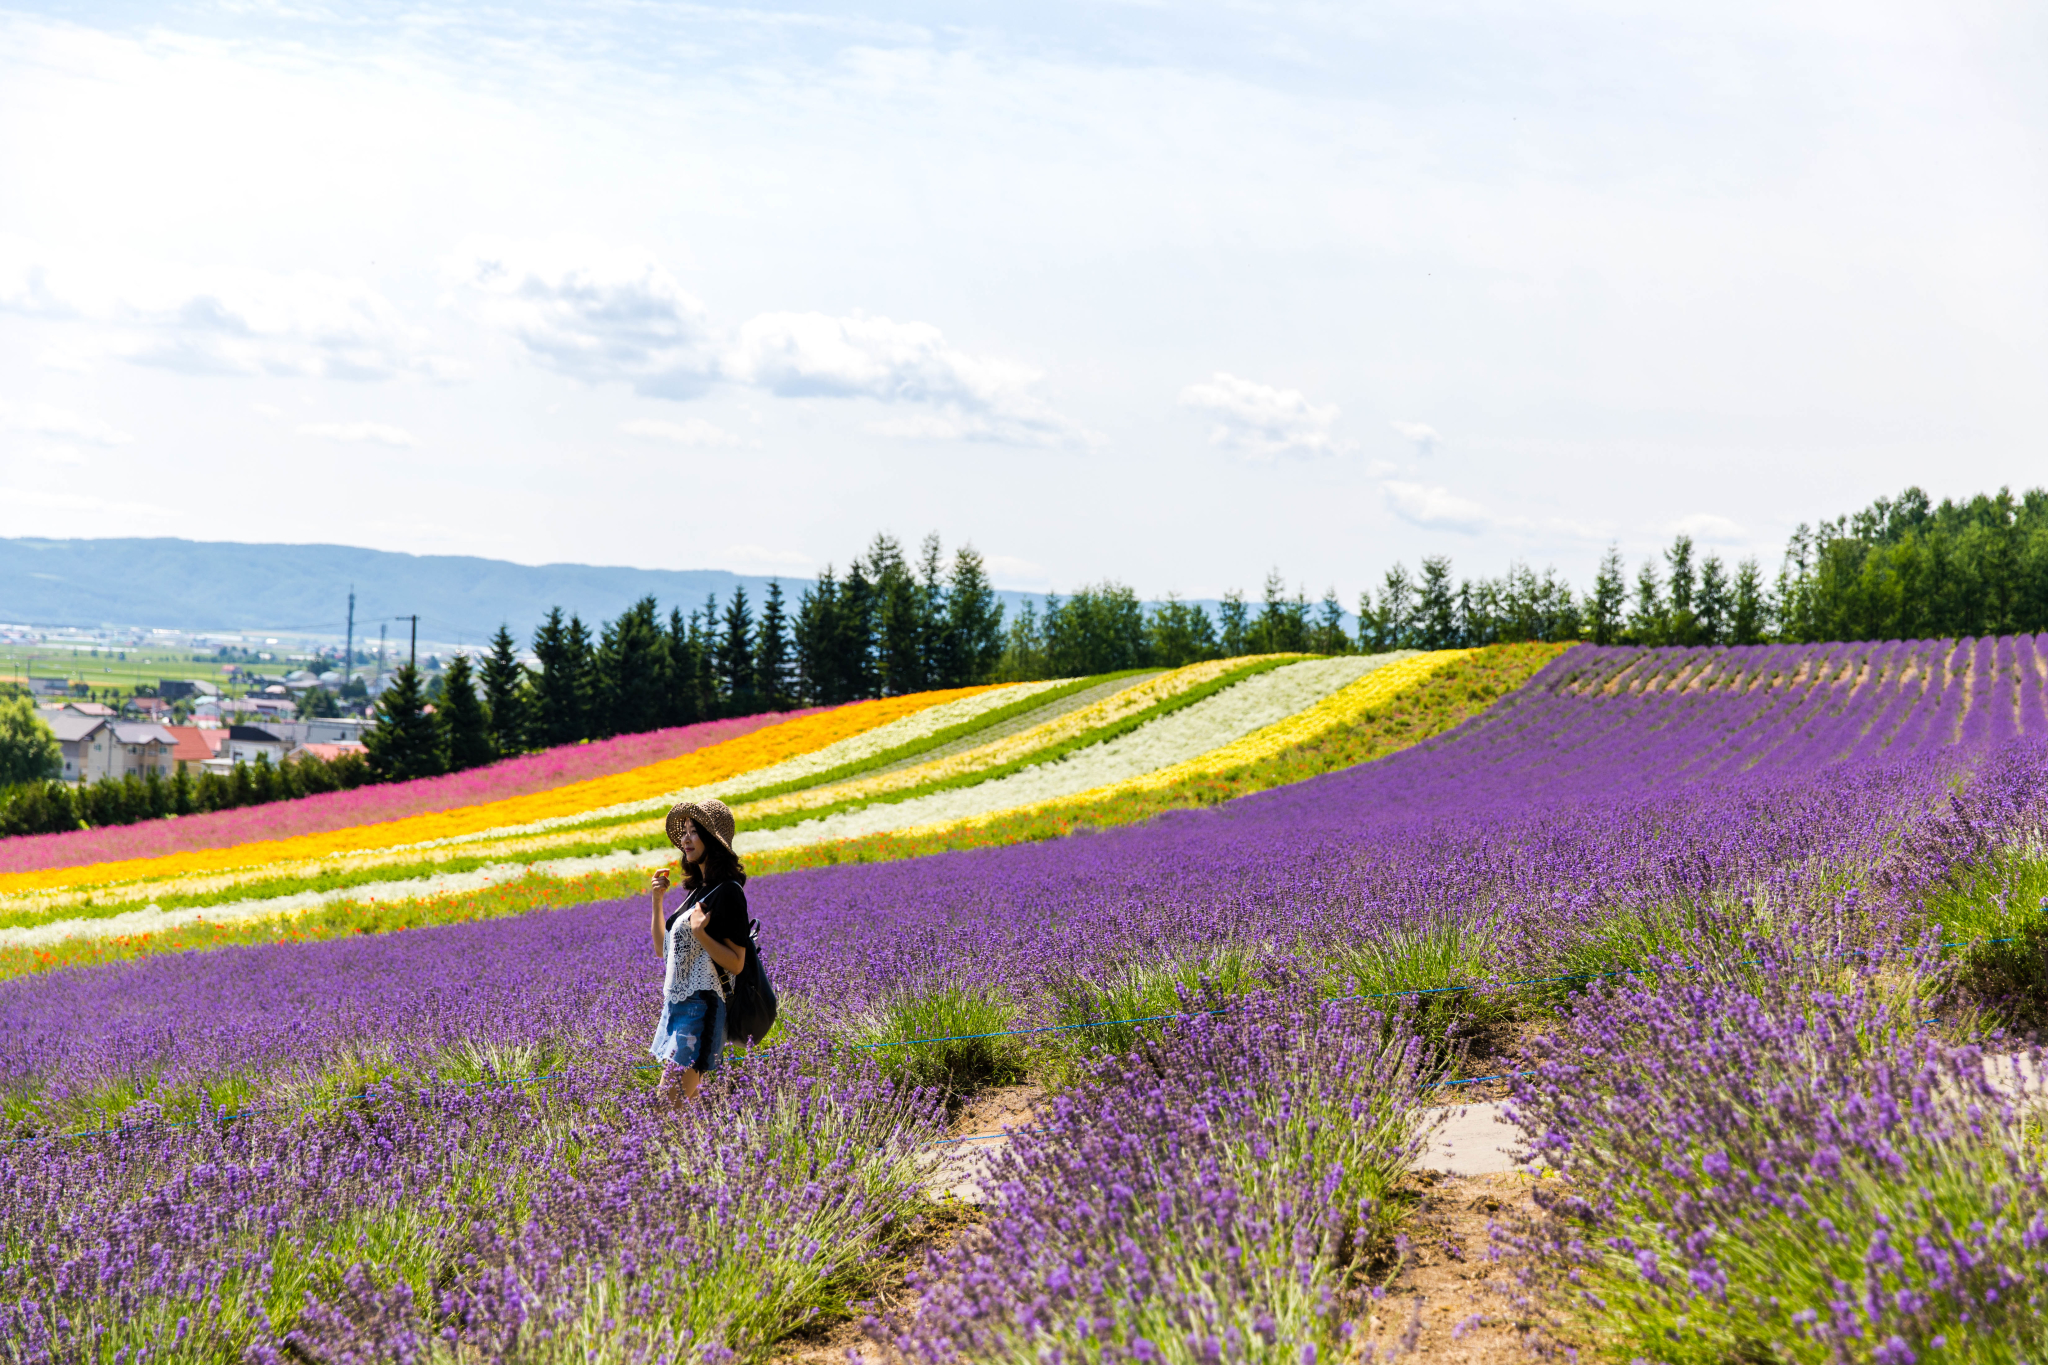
<point>195,585</point>
<point>302,590</point>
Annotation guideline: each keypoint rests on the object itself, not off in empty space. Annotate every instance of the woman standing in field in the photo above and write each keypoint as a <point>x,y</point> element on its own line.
<point>705,934</point>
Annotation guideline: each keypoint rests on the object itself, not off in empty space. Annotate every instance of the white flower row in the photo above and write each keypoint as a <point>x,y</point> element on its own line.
<point>1209,724</point>
<point>152,920</point>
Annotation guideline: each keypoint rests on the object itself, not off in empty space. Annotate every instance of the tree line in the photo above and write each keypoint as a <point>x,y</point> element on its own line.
<point>890,624</point>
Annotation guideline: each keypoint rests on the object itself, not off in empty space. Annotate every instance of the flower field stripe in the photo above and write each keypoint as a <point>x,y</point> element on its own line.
<point>1029,698</point>
<point>718,762</point>
<point>991,762</point>
<point>1339,708</point>
<point>535,772</point>
<point>1245,700</point>
<point>1029,745</point>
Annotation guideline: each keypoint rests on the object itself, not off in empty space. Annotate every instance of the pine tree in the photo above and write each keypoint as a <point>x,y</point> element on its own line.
<point>1233,622</point>
<point>1327,636</point>
<point>1712,604</point>
<point>860,673</point>
<point>404,744</point>
<point>632,672</point>
<point>1646,624</point>
<point>505,694</point>
<point>711,701</point>
<point>1024,647</point>
<point>1179,633</point>
<point>1608,600</point>
<point>685,648</point>
<point>816,637</point>
<point>1681,622</point>
<point>1748,617</point>
<point>974,623</point>
<point>735,657</point>
<point>772,675</point>
<point>1392,622</point>
<point>558,696</point>
<point>899,621</point>
<point>1436,607</point>
<point>465,725</point>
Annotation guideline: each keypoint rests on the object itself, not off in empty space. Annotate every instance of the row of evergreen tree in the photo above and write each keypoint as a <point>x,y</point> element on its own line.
<point>889,625</point>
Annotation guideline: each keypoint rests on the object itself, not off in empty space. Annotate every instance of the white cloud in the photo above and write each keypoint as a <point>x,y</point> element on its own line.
<point>1259,420</point>
<point>218,321</point>
<point>967,397</point>
<point>373,432</point>
<point>1425,436</point>
<point>1706,526</point>
<point>691,431</point>
<point>1437,508</point>
<point>43,420</point>
<point>593,312</point>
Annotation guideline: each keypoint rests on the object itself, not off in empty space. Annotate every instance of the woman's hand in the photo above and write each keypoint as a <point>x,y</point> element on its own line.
<point>657,885</point>
<point>698,919</point>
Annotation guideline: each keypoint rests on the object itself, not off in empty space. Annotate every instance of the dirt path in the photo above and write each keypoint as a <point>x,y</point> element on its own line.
<point>1450,1303</point>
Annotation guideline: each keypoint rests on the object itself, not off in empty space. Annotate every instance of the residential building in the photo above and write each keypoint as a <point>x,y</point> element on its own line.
<point>196,744</point>
<point>95,747</point>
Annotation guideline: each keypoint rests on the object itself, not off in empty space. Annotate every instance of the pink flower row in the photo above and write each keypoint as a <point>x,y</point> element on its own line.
<point>528,773</point>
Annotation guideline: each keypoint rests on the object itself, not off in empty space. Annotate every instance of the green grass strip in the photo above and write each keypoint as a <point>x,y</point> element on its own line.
<point>1050,753</point>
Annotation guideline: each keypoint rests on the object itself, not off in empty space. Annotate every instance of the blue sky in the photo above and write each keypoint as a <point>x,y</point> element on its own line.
<point>1164,294</point>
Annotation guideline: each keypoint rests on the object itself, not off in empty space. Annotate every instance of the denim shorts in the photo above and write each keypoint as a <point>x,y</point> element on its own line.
<point>691,1032</point>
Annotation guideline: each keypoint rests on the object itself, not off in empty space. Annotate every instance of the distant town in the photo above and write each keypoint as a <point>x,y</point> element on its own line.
<point>153,702</point>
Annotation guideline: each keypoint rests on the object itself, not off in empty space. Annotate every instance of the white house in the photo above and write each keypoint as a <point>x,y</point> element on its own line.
<point>95,746</point>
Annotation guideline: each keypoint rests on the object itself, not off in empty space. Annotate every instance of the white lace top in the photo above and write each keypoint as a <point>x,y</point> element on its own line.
<point>690,968</point>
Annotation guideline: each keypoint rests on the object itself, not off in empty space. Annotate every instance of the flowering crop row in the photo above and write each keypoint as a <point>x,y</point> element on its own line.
<point>714,763</point>
<point>525,775</point>
<point>1120,705</point>
<point>563,1222</point>
<point>1788,1167</point>
<point>1246,706</point>
<point>1342,707</point>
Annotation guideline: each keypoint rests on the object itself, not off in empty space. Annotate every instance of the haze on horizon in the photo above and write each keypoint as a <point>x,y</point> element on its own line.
<point>1164,294</point>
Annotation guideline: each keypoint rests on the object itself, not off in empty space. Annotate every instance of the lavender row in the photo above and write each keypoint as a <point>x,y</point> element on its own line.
<point>572,1224</point>
<point>1206,1199</point>
<point>1784,1166</point>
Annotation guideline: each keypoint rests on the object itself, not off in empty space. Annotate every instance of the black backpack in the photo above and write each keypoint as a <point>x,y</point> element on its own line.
<point>750,1004</point>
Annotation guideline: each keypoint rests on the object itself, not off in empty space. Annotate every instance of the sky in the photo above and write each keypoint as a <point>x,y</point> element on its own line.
<point>1166,294</point>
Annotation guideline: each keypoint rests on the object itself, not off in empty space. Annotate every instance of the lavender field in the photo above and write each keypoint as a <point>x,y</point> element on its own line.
<point>1627,810</point>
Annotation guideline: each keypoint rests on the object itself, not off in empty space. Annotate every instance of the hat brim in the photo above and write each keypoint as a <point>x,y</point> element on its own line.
<point>691,812</point>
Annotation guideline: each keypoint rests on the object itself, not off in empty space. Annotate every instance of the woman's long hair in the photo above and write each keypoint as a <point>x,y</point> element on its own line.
<point>720,865</point>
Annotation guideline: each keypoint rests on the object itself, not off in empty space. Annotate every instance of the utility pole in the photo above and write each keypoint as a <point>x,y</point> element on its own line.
<point>348,649</point>
<point>413,656</point>
<point>380,654</point>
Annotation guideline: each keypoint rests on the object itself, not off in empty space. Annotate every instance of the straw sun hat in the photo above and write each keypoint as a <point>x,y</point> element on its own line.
<point>712,817</point>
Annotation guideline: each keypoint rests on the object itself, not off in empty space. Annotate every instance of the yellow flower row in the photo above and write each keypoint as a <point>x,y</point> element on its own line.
<point>1115,707</point>
<point>715,763</point>
<point>1341,707</point>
